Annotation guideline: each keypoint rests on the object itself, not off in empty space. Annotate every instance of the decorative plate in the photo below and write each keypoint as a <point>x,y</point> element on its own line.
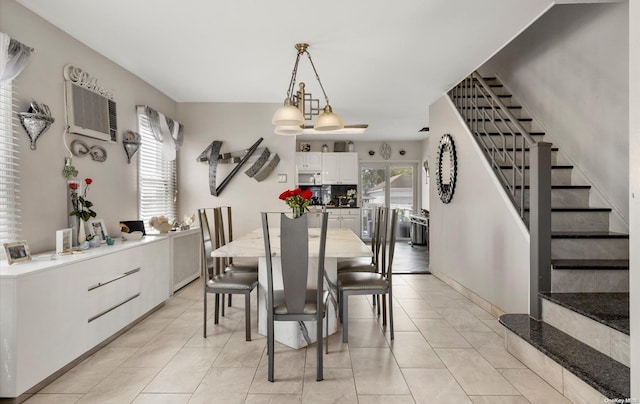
<point>385,151</point>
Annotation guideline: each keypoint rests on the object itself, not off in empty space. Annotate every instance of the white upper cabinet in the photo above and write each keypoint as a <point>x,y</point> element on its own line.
<point>339,168</point>
<point>309,161</point>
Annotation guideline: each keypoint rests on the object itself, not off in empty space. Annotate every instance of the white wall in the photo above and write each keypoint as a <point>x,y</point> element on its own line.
<point>634,198</point>
<point>238,125</point>
<point>425,187</point>
<point>43,188</point>
<point>570,70</point>
<point>477,239</point>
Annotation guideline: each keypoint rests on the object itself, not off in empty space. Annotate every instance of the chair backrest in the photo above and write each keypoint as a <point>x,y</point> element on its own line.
<point>375,238</point>
<point>208,246</point>
<point>294,253</point>
<point>223,229</point>
<point>390,237</point>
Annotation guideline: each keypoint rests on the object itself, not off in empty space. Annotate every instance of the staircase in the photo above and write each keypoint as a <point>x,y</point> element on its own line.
<point>581,344</point>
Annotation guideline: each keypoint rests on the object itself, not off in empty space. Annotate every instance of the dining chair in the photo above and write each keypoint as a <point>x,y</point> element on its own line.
<point>357,264</point>
<point>223,231</point>
<point>371,283</point>
<point>217,281</point>
<point>295,301</point>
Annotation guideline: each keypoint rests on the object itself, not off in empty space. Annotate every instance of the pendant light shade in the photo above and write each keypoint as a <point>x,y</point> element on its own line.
<point>288,130</point>
<point>288,115</point>
<point>328,120</point>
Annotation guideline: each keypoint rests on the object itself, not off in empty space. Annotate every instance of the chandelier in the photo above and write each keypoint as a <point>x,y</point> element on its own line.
<point>299,106</point>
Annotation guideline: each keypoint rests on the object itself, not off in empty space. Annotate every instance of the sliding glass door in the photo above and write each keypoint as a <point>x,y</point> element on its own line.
<point>391,185</point>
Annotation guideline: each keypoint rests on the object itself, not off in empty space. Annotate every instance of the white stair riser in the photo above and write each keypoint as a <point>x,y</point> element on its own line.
<point>559,176</point>
<point>503,126</point>
<point>598,336</point>
<point>580,221</point>
<point>503,159</point>
<point>562,197</point>
<point>507,101</point>
<point>591,248</point>
<point>590,281</point>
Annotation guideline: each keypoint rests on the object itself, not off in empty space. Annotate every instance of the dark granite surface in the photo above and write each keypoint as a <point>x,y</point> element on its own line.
<point>610,309</point>
<point>609,377</point>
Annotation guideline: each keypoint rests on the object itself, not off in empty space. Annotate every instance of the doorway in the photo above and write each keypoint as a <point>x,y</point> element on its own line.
<point>392,185</point>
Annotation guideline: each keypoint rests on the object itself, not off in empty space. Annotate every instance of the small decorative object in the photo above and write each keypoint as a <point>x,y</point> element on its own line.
<point>69,171</point>
<point>385,151</point>
<point>131,144</point>
<point>17,251</point>
<point>84,245</point>
<point>160,223</point>
<point>187,221</point>
<point>402,152</point>
<point>80,205</point>
<point>97,228</point>
<point>81,149</point>
<point>350,146</point>
<point>446,168</point>
<point>426,171</point>
<point>36,121</point>
<point>305,147</point>
<point>134,235</point>
<point>351,197</point>
<point>371,152</point>
<point>339,146</point>
<point>297,199</point>
<point>64,241</point>
<point>325,148</point>
<point>94,240</point>
<point>109,241</point>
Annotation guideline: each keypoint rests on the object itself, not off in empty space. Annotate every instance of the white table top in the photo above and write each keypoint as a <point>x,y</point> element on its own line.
<point>341,243</point>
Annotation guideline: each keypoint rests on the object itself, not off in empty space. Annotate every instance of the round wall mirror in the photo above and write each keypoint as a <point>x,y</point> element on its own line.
<point>446,169</point>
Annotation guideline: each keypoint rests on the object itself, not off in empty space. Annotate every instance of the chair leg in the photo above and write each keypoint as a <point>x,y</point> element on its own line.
<point>247,315</point>
<point>216,309</point>
<point>204,332</point>
<point>270,346</point>
<point>229,304</point>
<point>319,367</point>
<point>384,309</point>
<point>377,297</point>
<point>340,299</point>
<point>345,317</point>
<point>326,344</point>
<point>222,304</point>
<point>391,315</point>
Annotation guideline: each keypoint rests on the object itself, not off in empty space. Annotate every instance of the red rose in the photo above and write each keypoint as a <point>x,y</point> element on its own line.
<point>88,181</point>
<point>296,192</point>
<point>73,185</point>
<point>285,195</point>
<point>306,194</point>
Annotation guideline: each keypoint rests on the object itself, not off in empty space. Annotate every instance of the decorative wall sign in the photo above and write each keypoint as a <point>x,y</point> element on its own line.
<point>81,149</point>
<point>131,144</point>
<point>78,76</point>
<point>446,169</point>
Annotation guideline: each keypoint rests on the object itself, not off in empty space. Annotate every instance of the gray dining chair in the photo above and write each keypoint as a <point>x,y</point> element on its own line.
<point>223,234</point>
<point>358,264</point>
<point>295,301</point>
<point>370,283</point>
<point>219,282</point>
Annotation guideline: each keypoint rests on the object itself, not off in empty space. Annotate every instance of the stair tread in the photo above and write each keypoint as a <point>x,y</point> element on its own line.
<point>610,309</point>
<point>526,167</point>
<point>502,119</point>
<point>588,234</point>
<point>559,186</point>
<point>589,264</point>
<point>508,134</point>
<point>489,107</point>
<point>576,209</point>
<point>609,377</point>
<point>518,149</point>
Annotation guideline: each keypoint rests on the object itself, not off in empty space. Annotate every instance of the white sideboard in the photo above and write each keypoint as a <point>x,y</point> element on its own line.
<point>185,256</point>
<point>52,312</point>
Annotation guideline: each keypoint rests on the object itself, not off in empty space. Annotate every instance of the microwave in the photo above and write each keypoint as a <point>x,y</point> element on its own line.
<point>309,178</point>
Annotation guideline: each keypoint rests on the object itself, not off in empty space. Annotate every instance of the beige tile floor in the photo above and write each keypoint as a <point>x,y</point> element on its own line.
<point>446,350</point>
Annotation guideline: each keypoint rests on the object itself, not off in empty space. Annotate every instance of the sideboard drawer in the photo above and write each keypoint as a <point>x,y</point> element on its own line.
<point>112,292</point>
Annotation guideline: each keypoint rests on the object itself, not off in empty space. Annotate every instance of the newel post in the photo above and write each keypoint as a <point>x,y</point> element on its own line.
<point>539,225</point>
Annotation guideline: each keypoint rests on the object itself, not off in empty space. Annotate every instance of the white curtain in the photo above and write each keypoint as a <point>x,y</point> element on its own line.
<point>14,56</point>
<point>166,131</point>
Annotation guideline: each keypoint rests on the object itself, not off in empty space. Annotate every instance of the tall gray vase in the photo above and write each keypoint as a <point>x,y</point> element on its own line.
<point>73,222</point>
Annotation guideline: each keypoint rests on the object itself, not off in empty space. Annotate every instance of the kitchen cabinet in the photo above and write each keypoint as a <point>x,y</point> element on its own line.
<point>344,219</point>
<point>309,161</point>
<point>339,168</point>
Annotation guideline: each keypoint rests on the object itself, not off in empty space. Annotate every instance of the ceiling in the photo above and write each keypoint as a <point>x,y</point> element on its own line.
<point>381,64</point>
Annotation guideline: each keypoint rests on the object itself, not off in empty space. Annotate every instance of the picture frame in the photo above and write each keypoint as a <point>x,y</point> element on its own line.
<point>98,229</point>
<point>17,251</point>
<point>64,241</point>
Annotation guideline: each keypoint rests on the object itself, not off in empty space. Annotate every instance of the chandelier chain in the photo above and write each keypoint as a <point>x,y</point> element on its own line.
<point>317,76</point>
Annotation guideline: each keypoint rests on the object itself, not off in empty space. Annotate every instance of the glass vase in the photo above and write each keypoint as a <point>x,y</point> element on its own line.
<point>297,211</point>
<point>73,222</point>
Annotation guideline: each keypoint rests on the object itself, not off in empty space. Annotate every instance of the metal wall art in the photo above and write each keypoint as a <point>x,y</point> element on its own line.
<point>259,170</point>
<point>36,121</point>
<point>81,149</point>
<point>131,144</point>
<point>446,169</point>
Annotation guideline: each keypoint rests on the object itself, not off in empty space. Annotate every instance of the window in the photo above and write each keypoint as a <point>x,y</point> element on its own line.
<point>10,225</point>
<point>157,179</point>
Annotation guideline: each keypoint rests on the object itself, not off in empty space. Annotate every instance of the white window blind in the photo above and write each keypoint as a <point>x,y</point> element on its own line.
<point>10,224</point>
<point>157,183</point>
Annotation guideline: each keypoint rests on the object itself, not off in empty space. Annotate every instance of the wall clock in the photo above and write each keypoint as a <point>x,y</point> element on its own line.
<point>446,168</point>
<point>385,151</point>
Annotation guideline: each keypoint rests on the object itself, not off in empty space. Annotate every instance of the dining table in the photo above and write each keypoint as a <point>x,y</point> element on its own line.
<point>341,243</point>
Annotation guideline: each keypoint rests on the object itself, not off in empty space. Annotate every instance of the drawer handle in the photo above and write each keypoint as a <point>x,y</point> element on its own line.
<point>112,308</point>
<point>100,284</point>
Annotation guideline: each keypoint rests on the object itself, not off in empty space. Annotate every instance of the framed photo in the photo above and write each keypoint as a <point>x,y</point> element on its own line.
<point>63,241</point>
<point>98,229</point>
<point>17,251</point>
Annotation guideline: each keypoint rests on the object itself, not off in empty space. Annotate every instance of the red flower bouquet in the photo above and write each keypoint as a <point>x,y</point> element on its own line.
<point>297,199</point>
